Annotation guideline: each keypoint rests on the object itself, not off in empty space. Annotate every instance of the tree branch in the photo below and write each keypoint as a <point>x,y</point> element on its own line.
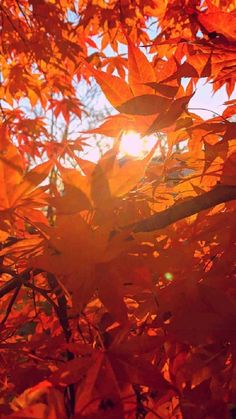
<point>11,303</point>
<point>61,311</point>
<point>218,195</point>
<point>9,286</point>
<point>16,279</point>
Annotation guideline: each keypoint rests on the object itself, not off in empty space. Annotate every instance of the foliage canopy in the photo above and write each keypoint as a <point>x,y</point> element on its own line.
<point>117,278</point>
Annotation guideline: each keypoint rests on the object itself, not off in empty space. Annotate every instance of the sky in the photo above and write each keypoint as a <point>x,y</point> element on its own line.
<point>204,98</point>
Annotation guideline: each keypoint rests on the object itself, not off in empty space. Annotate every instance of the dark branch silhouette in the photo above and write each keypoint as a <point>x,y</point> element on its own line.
<point>218,195</point>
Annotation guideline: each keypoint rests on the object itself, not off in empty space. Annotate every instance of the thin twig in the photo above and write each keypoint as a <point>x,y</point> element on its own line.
<point>62,315</point>
<point>209,110</point>
<point>43,292</point>
<point>11,303</point>
<point>23,13</point>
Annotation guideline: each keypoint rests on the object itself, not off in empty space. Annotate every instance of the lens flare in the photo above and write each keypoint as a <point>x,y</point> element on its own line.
<point>134,145</point>
<point>168,276</point>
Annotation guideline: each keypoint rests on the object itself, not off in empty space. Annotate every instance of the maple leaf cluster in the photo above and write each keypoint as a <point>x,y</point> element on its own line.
<point>118,286</point>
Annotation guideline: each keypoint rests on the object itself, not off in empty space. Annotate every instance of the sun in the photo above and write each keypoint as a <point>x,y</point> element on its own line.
<point>132,144</point>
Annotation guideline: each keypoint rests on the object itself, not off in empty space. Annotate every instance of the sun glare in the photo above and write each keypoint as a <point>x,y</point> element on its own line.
<point>133,144</point>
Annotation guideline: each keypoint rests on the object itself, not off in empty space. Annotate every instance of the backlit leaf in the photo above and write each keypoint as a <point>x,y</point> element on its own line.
<point>144,105</point>
<point>116,90</point>
<point>140,71</point>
